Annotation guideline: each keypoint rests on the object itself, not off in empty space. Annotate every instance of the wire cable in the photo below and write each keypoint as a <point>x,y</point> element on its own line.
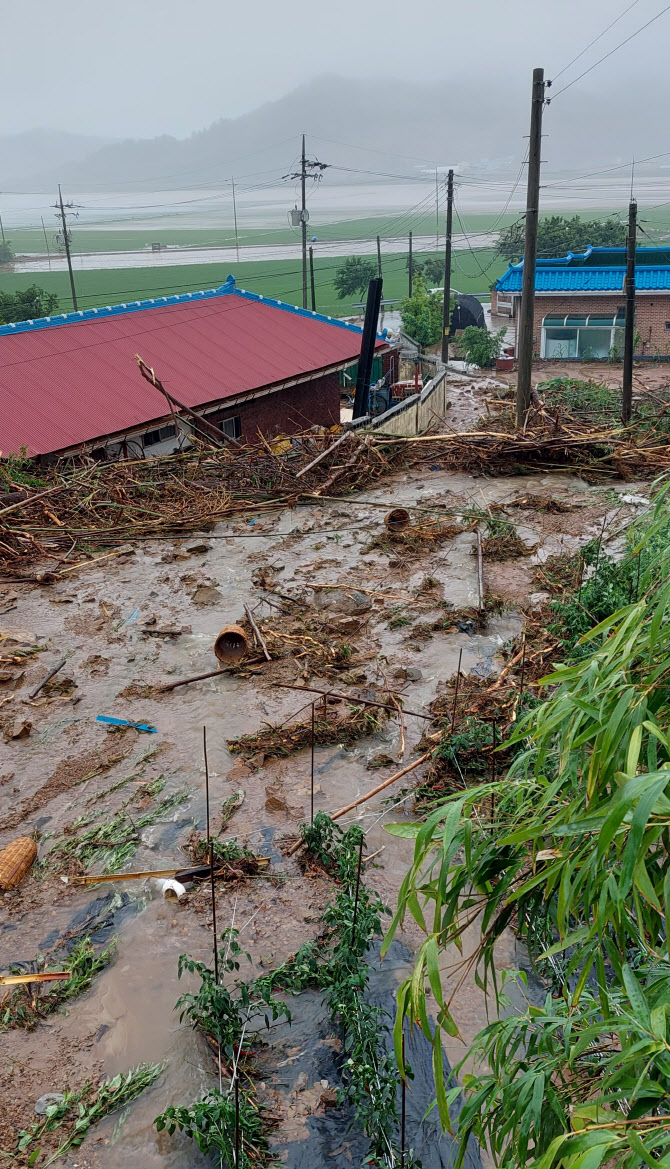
<point>612,51</point>
<point>594,41</point>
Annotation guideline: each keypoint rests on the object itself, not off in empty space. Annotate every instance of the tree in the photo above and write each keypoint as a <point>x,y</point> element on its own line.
<point>421,315</point>
<point>431,269</point>
<point>557,235</point>
<point>353,276</point>
<point>6,253</point>
<point>27,305</point>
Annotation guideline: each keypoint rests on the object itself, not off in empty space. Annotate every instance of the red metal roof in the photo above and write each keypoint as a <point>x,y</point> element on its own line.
<point>72,382</point>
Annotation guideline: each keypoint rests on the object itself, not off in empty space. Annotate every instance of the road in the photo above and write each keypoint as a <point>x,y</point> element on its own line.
<point>169,257</point>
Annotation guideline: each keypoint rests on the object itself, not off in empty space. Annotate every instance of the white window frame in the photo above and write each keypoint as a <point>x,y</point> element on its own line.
<point>566,324</point>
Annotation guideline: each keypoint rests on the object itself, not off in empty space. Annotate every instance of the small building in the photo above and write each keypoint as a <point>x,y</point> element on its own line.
<point>580,303</point>
<point>245,362</point>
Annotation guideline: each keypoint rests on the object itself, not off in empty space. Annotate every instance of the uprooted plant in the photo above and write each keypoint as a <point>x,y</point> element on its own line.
<point>24,1005</point>
<point>329,727</point>
<point>78,1111</point>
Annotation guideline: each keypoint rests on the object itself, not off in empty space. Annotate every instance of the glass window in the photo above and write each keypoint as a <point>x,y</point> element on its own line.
<point>575,320</point>
<point>594,343</point>
<point>601,321</point>
<point>232,427</point>
<point>554,320</point>
<point>560,343</point>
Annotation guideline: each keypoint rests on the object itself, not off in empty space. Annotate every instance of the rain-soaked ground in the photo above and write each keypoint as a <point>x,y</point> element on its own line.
<point>52,776</point>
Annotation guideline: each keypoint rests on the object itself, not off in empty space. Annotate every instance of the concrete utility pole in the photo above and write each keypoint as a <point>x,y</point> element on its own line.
<point>60,208</point>
<point>629,335</point>
<point>311,278</point>
<point>2,231</point>
<point>46,241</point>
<point>379,256</point>
<point>303,223</point>
<point>411,265</point>
<point>446,315</point>
<point>525,354</point>
<point>237,242</point>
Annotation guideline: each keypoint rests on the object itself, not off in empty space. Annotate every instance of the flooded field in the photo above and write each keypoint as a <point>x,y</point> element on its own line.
<point>151,617</point>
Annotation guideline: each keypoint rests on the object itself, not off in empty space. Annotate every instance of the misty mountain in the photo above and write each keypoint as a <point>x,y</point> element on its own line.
<point>481,124</point>
<point>37,151</point>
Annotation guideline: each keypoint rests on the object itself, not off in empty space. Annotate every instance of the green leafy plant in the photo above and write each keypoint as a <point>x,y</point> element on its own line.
<point>559,234</point>
<point>210,1122</point>
<point>24,1007</point>
<point>481,347</point>
<point>80,1110</point>
<point>27,304</point>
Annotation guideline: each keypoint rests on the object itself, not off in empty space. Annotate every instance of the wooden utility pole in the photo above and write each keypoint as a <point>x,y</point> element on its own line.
<point>446,315</point>
<point>379,256</point>
<point>66,240</point>
<point>237,242</point>
<point>311,278</point>
<point>411,264</point>
<point>525,354</point>
<point>303,222</point>
<point>629,334</point>
<point>2,231</point>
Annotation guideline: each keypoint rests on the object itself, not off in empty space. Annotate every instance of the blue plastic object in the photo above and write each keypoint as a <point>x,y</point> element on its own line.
<point>125,722</point>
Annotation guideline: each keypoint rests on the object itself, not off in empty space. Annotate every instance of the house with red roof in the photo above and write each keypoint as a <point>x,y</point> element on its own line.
<point>246,363</point>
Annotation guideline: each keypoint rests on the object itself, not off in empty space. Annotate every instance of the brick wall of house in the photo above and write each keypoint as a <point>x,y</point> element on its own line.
<point>286,411</point>
<point>651,313</point>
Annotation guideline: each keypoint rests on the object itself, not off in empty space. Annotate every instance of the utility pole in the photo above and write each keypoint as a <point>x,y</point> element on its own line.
<point>303,223</point>
<point>2,231</point>
<point>379,256</point>
<point>46,241</point>
<point>237,242</point>
<point>437,214</point>
<point>527,312</point>
<point>446,314</point>
<point>411,264</point>
<point>311,277</point>
<point>629,335</point>
<point>60,210</point>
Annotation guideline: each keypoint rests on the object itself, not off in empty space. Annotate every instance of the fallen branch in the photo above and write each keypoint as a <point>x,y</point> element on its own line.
<point>257,632</point>
<point>47,678</point>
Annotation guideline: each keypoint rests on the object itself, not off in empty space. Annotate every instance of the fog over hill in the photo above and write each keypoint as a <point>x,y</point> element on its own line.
<point>367,125</point>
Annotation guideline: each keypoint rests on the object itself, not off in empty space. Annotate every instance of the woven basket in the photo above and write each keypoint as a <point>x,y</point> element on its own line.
<point>16,860</point>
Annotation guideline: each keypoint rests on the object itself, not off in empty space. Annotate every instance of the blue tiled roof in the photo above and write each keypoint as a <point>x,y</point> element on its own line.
<point>574,273</point>
<point>571,279</point>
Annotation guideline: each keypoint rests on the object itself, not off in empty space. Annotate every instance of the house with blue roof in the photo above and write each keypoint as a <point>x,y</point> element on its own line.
<point>580,303</point>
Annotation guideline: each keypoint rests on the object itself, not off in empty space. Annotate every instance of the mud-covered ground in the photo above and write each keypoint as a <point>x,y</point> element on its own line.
<point>151,617</point>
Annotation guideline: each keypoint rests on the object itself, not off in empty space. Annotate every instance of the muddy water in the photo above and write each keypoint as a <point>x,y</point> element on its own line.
<point>128,1015</point>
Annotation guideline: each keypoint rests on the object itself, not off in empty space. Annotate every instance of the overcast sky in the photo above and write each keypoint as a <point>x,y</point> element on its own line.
<point>135,68</point>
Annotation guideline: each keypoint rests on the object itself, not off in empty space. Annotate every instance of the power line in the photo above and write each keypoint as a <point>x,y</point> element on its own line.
<point>612,51</point>
<point>594,41</point>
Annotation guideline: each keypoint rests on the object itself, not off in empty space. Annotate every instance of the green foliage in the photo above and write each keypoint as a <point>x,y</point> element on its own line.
<point>82,1109</point>
<point>353,276</point>
<point>581,397</point>
<point>578,860</point>
<point>431,269</point>
<point>421,315</point>
<point>26,305</point>
<point>113,842</point>
<point>24,1008</point>
<point>217,1011</point>
<point>557,235</point>
<point>6,252</point>
<point>210,1122</point>
<point>481,347</point>
<point>463,749</point>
